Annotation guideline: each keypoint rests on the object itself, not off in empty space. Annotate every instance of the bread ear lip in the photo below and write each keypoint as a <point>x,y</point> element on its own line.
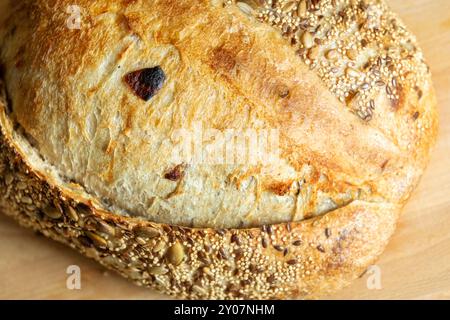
<point>305,259</point>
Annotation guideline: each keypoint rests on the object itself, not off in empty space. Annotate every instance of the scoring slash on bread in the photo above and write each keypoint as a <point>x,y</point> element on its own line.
<point>87,117</point>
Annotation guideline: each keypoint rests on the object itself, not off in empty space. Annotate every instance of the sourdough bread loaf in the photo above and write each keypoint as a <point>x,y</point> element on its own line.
<point>99,99</point>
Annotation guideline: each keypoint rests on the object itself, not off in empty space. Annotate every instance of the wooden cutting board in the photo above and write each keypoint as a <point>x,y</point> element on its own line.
<point>416,264</point>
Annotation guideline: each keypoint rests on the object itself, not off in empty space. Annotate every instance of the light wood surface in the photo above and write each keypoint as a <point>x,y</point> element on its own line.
<point>416,264</point>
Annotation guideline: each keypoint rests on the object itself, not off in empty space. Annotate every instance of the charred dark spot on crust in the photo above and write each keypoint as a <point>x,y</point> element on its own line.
<point>416,115</point>
<point>146,82</point>
<point>175,174</point>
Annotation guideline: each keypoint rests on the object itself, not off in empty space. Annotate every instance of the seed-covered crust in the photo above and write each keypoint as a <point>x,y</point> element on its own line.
<point>301,259</point>
<point>87,118</point>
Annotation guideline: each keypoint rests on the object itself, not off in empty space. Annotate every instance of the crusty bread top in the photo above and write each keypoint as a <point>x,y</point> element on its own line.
<point>342,82</point>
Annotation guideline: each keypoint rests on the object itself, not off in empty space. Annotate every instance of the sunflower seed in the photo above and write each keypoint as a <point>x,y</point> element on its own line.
<point>313,53</point>
<point>21,185</point>
<point>207,271</point>
<point>106,228</point>
<point>157,270</point>
<point>289,6</point>
<point>199,290</point>
<point>72,214</point>
<point>146,232</point>
<point>352,72</point>
<point>365,86</point>
<point>159,246</point>
<point>96,239</point>
<point>245,8</point>
<point>52,212</point>
<point>141,241</point>
<point>216,3</point>
<point>352,54</point>
<point>9,178</point>
<point>332,54</point>
<point>26,200</point>
<point>334,70</point>
<point>175,254</point>
<point>307,39</point>
<point>301,10</point>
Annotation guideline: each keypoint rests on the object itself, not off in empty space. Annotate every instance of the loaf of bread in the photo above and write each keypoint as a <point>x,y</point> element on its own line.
<point>128,133</point>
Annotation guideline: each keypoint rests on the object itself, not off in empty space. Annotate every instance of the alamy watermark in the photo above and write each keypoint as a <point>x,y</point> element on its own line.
<point>200,145</point>
<point>73,22</point>
<point>373,281</point>
<point>73,281</point>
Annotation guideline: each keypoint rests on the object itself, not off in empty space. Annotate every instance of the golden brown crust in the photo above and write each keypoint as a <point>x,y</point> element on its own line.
<point>225,70</point>
<point>66,168</point>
